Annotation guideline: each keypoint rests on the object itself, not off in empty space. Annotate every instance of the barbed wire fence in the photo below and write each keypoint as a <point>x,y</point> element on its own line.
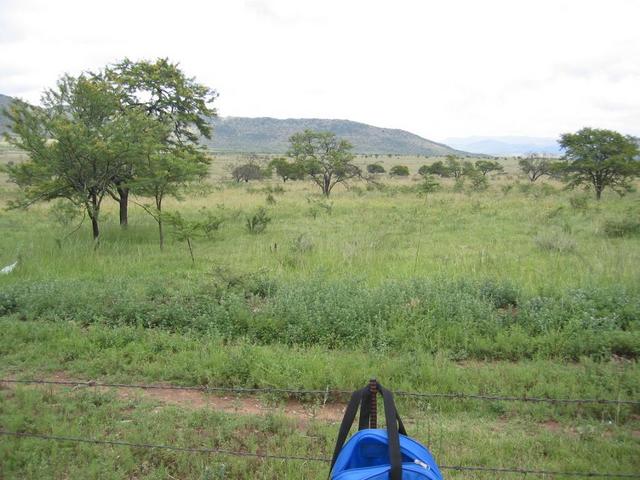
<point>325,394</point>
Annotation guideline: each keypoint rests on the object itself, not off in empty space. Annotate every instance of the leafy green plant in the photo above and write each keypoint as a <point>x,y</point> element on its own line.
<point>428,185</point>
<point>624,227</point>
<point>185,230</point>
<point>399,171</point>
<point>257,222</point>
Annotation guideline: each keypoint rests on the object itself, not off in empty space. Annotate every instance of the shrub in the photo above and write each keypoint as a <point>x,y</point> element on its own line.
<point>302,244</point>
<point>258,221</point>
<point>621,227</point>
<point>399,171</point>
<point>579,202</point>
<point>554,241</point>
<point>374,168</point>
<point>428,185</point>
<point>479,182</point>
<point>501,294</point>
<point>8,303</point>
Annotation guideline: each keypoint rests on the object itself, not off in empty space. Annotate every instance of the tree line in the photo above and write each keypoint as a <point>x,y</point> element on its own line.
<point>134,129</point>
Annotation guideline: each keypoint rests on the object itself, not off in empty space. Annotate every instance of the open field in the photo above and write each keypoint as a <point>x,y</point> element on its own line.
<point>517,290</point>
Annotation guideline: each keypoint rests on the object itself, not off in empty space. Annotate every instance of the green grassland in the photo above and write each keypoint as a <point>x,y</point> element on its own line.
<point>518,290</point>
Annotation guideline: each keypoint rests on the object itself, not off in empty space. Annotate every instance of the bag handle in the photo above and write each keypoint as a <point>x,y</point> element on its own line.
<point>395,427</point>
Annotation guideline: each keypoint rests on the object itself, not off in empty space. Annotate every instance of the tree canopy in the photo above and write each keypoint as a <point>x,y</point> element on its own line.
<point>163,92</point>
<point>77,142</point>
<point>327,159</point>
<point>535,166</point>
<point>600,158</point>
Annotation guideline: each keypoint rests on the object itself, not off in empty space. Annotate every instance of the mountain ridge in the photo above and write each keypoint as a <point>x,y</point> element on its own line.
<point>506,145</point>
<point>271,135</point>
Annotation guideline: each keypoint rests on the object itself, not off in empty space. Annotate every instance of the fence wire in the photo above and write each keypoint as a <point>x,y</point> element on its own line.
<point>267,456</point>
<point>328,392</point>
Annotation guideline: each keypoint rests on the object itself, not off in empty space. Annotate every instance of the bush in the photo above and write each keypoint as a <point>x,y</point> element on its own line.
<point>8,303</point>
<point>258,221</point>
<point>399,171</point>
<point>621,228</point>
<point>374,168</point>
<point>458,318</point>
<point>428,185</point>
<point>555,242</point>
<point>579,202</point>
<point>500,294</point>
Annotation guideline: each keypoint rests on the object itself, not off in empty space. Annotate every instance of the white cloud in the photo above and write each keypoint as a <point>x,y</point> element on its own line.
<point>439,69</point>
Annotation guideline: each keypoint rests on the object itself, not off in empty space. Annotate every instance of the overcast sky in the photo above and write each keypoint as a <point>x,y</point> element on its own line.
<point>437,68</point>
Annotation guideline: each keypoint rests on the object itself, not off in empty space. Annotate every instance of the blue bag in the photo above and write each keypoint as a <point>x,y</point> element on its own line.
<point>377,454</point>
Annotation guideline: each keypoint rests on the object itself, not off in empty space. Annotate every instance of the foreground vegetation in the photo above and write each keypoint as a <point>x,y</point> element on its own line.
<point>516,289</point>
<point>583,445</point>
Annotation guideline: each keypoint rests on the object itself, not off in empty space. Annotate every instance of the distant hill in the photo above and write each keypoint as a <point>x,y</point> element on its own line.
<point>271,135</point>
<point>4,103</point>
<point>506,146</point>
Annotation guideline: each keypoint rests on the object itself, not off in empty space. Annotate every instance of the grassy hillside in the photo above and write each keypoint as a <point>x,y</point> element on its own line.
<point>271,135</point>
<point>4,103</point>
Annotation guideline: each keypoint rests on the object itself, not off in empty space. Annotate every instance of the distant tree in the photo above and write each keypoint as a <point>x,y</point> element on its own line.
<point>479,181</point>
<point>488,166</point>
<point>535,166</point>
<point>286,170</point>
<point>246,172</point>
<point>428,185</point>
<point>438,168</point>
<point>455,168</point>
<point>399,171</point>
<point>325,158</point>
<point>374,168</point>
<point>424,170</point>
<point>469,169</point>
<point>164,93</point>
<point>77,142</point>
<point>600,158</point>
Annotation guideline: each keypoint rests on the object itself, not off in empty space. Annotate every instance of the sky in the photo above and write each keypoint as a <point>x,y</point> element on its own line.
<point>447,68</point>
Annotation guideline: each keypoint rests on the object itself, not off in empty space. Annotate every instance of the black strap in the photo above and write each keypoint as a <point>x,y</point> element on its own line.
<point>391,415</point>
<point>394,426</point>
<point>347,421</point>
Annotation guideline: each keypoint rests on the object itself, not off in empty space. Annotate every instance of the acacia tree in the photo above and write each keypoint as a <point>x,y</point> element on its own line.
<point>375,168</point>
<point>488,166</point>
<point>286,170</point>
<point>246,172</point>
<point>454,167</point>
<point>399,171</point>
<point>162,170</point>
<point>436,168</point>
<point>325,158</point>
<point>77,142</point>
<point>163,92</point>
<point>600,158</point>
<point>535,166</point>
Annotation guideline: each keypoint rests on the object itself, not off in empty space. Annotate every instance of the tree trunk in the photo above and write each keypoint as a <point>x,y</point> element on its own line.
<point>598,193</point>
<point>124,206</point>
<point>159,212</point>
<point>193,260</point>
<point>326,189</point>
<point>95,227</point>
